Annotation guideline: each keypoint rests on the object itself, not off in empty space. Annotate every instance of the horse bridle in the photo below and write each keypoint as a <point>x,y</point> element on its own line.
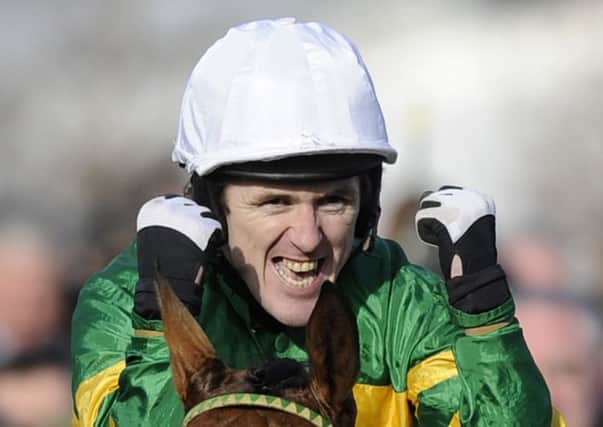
<point>257,400</point>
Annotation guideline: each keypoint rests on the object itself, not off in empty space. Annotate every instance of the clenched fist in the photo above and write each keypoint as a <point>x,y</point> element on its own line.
<point>461,223</point>
<point>175,236</point>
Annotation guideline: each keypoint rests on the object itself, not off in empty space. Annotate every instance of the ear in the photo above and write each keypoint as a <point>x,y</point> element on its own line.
<point>332,342</point>
<point>190,349</point>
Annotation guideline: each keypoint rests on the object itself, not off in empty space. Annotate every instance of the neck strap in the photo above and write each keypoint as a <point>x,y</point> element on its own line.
<point>257,400</point>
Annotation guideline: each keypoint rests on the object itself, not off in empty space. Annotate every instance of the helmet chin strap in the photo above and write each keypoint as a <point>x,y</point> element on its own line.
<point>371,229</point>
<point>369,241</point>
<point>367,229</point>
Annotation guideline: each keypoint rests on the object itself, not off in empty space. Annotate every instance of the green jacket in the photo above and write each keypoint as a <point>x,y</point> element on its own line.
<point>416,362</point>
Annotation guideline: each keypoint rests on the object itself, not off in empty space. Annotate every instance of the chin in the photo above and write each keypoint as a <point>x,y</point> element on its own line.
<point>294,321</point>
<point>294,313</point>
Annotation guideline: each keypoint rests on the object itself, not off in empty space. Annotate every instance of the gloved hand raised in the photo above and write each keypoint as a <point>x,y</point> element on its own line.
<point>461,223</point>
<point>175,236</point>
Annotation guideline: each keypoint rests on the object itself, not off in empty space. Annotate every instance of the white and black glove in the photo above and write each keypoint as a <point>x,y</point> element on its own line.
<point>175,236</point>
<point>461,223</point>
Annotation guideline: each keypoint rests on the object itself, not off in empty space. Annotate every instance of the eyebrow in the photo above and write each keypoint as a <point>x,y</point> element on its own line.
<point>348,189</point>
<point>346,193</point>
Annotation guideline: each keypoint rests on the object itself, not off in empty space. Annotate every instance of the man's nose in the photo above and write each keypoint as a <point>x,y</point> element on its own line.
<point>305,232</point>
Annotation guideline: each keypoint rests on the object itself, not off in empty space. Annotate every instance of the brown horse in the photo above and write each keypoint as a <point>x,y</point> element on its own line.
<point>280,393</point>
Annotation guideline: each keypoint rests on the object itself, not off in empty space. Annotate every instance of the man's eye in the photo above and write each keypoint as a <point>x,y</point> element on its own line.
<point>274,201</point>
<point>334,202</point>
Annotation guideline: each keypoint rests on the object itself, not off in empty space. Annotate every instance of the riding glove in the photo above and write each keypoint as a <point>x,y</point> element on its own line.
<point>175,238</point>
<point>461,223</point>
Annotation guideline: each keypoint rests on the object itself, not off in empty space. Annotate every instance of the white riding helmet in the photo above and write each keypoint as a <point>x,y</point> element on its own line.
<point>276,89</point>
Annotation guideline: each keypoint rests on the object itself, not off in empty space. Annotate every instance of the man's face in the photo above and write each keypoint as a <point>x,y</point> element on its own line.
<point>287,239</point>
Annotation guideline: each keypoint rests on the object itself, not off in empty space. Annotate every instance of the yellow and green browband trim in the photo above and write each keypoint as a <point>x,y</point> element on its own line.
<point>258,400</point>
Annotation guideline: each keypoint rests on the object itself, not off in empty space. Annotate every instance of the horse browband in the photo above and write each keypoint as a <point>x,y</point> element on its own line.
<point>257,400</point>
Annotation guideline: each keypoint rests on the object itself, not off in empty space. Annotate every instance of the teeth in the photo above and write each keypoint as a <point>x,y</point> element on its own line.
<point>295,281</point>
<point>289,271</point>
<point>300,267</point>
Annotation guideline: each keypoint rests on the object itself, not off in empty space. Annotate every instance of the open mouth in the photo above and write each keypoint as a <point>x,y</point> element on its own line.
<point>299,274</point>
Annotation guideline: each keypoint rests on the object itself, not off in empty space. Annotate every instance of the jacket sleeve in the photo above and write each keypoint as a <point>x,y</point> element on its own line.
<point>121,374</point>
<point>101,332</point>
<point>456,379</point>
<point>146,395</point>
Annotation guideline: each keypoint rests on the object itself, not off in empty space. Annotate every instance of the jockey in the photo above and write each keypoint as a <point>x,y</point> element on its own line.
<point>284,139</point>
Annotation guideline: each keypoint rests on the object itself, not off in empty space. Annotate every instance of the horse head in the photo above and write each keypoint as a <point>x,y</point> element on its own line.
<point>279,393</point>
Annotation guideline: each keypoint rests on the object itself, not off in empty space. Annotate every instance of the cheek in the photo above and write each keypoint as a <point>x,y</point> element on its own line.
<point>249,239</point>
<point>340,233</point>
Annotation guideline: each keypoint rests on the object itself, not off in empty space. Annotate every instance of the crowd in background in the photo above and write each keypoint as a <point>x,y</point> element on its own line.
<point>40,280</point>
<point>88,115</point>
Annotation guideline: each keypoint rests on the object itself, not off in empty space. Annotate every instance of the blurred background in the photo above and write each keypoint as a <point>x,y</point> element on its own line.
<point>502,96</point>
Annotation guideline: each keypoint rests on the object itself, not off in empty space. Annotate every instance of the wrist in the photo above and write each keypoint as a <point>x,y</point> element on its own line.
<point>469,321</point>
<point>478,292</point>
<point>146,304</point>
<point>141,323</point>
<point>486,329</point>
<point>480,299</point>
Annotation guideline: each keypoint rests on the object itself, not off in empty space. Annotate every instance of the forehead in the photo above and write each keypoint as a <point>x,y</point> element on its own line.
<point>248,188</point>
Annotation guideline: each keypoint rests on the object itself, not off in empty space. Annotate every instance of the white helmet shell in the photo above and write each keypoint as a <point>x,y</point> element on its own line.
<point>272,89</point>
